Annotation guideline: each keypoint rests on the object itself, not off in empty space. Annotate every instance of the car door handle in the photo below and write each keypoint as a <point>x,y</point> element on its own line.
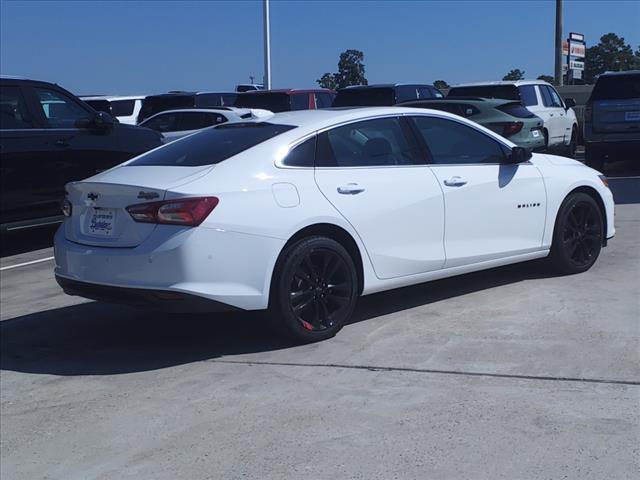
<point>551,114</point>
<point>455,182</point>
<point>350,189</point>
<point>61,142</point>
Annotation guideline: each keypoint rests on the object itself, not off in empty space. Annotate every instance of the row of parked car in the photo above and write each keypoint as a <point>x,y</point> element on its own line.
<point>48,136</point>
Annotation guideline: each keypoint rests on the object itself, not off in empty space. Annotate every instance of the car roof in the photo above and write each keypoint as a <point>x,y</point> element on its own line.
<point>516,83</point>
<point>470,100</point>
<point>287,91</point>
<point>112,98</point>
<point>202,110</point>
<point>617,74</point>
<point>385,85</point>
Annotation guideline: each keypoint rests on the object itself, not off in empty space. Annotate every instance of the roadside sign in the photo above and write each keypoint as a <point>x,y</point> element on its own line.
<point>577,49</point>
<point>578,37</point>
<point>576,65</point>
<point>565,48</point>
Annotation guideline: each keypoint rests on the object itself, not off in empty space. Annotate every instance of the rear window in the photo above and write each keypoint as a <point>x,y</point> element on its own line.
<point>515,110</point>
<point>212,146</point>
<point>365,97</point>
<point>617,87</point>
<point>275,101</point>
<point>122,108</point>
<point>161,103</point>
<point>506,92</point>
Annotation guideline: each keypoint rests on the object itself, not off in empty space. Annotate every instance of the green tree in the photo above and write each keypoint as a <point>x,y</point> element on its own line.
<point>441,85</point>
<point>515,74</point>
<point>546,78</point>
<point>350,71</point>
<point>610,54</point>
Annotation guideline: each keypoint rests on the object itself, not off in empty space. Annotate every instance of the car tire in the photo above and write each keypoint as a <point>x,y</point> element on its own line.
<point>594,157</point>
<point>314,290</point>
<point>578,235</point>
<point>546,140</point>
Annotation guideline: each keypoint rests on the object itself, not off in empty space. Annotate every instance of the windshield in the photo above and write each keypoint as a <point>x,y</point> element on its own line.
<point>365,97</point>
<point>617,87</point>
<point>212,145</point>
<point>273,101</point>
<point>506,92</point>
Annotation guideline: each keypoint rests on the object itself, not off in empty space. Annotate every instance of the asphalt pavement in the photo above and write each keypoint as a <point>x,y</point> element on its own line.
<point>510,373</point>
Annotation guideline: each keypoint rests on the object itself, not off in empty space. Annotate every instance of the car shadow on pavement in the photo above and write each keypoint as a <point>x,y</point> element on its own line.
<point>102,339</point>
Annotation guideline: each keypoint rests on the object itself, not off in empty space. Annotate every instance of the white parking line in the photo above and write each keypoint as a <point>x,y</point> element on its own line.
<point>9,267</point>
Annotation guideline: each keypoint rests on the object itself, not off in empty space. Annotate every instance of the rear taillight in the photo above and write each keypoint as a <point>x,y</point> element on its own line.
<point>66,208</point>
<point>508,128</point>
<point>190,211</point>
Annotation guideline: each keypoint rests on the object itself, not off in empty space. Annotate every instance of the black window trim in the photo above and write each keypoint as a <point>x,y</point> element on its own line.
<point>505,148</point>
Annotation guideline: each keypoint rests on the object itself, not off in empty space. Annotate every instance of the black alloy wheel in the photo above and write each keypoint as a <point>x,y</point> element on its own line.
<point>316,289</point>
<point>578,234</point>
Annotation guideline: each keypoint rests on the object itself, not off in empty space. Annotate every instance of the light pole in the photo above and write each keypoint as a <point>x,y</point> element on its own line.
<point>558,55</point>
<point>267,46</point>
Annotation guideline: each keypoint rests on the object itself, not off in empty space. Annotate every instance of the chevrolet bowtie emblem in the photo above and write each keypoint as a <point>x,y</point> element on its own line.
<point>93,196</point>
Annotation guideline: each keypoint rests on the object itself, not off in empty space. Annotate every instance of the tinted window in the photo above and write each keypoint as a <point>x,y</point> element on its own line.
<point>61,111</point>
<point>122,108</point>
<point>198,120</point>
<point>365,97</point>
<point>302,155</point>
<point>370,143</point>
<point>515,110</point>
<point>167,122</point>
<point>528,95</point>
<point>617,87</point>
<point>13,110</point>
<point>405,93</point>
<point>160,103</point>
<point>450,142</point>
<point>556,101</point>
<point>274,101</point>
<point>546,96</point>
<point>212,145</point>
<point>228,99</point>
<point>506,92</point>
<point>215,99</point>
<point>324,100</point>
<point>99,105</point>
<point>300,101</point>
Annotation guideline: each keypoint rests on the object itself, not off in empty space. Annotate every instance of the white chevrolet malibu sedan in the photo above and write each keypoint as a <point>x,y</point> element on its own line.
<point>303,213</point>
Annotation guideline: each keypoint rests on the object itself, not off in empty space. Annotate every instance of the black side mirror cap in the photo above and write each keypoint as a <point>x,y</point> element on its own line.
<point>101,122</point>
<point>569,102</point>
<point>519,155</point>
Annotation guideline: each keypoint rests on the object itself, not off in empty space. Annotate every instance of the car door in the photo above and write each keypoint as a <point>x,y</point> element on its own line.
<point>565,121</point>
<point>27,176</point>
<point>553,115</point>
<point>492,209</point>
<point>374,174</point>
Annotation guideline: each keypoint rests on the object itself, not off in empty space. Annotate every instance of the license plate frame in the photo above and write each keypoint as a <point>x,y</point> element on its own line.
<point>102,222</point>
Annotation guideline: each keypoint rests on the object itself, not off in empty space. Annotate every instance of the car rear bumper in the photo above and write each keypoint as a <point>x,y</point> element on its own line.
<point>230,268</point>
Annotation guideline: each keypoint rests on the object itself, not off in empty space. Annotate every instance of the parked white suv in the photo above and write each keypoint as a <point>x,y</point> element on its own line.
<point>541,99</point>
<point>125,109</point>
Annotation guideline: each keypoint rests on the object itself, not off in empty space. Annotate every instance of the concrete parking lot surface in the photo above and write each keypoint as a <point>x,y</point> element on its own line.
<point>510,373</point>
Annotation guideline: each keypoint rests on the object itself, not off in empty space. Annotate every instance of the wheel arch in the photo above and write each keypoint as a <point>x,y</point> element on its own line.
<point>593,193</point>
<point>334,232</point>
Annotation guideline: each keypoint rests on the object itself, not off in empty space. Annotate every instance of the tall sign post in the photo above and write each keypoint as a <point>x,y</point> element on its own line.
<point>576,51</point>
<point>558,50</point>
<point>267,46</point>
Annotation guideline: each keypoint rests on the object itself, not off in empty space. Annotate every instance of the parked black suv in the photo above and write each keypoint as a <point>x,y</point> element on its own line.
<point>384,94</point>
<point>173,100</point>
<point>49,137</point>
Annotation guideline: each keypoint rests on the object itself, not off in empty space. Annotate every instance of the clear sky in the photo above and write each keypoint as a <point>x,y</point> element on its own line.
<point>155,46</point>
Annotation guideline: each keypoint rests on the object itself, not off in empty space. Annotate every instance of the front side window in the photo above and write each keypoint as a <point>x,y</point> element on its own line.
<point>13,109</point>
<point>555,97</point>
<point>167,122</point>
<point>371,143</point>
<point>549,97</point>
<point>300,101</point>
<point>406,93</point>
<point>212,145</point>
<point>528,95</point>
<point>450,142</point>
<point>60,110</point>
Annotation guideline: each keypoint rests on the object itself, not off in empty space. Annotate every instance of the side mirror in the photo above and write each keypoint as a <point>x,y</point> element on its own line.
<point>519,155</point>
<point>569,102</point>
<point>101,122</point>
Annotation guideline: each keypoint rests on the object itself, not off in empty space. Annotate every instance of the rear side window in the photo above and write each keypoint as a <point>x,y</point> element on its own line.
<point>365,97</point>
<point>213,145</point>
<point>302,155</point>
<point>450,142</point>
<point>273,101</point>
<point>506,92</point>
<point>528,95</point>
<point>167,122</point>
<point>122,108</point>
<point>406,93</point>
<point>371,143</point>
<point>197,120</point>
<point>300,101</point>
<point>13,109</point>
<point>617,87</point>
<point>323,100</point>
<point>100,105</point>
<point>515,110</point>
